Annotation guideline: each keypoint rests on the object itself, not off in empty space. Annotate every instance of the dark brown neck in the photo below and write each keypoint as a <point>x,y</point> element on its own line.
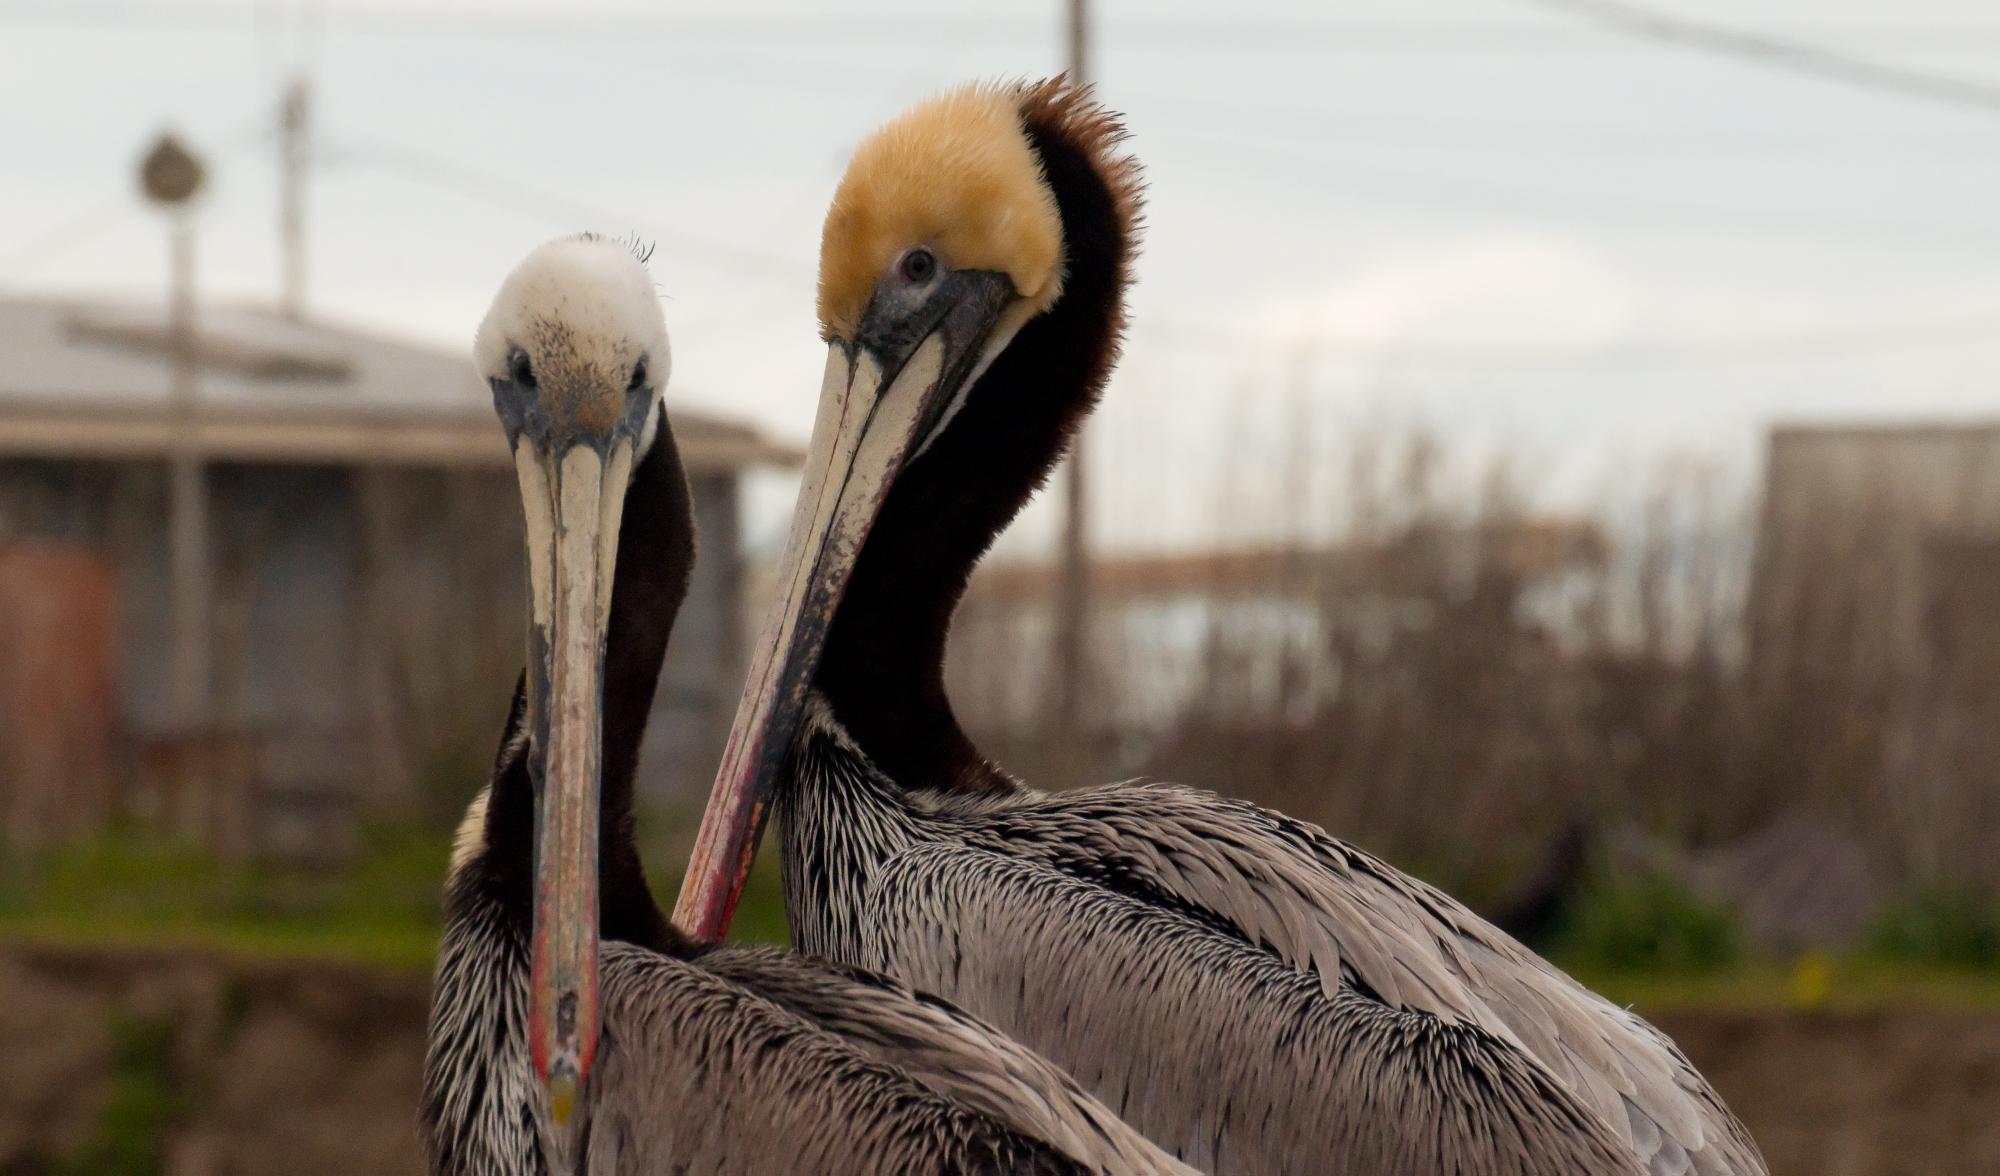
<point>655,556</point>
<point>882,670</point>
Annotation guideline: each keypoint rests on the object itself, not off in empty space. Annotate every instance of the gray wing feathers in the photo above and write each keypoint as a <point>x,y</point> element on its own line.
<point>1156,1014</point>
<point>702,1071</point>
<point>950,1051</point>
<point>1330,909</point>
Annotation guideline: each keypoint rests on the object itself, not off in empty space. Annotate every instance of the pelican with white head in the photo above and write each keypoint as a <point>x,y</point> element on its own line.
<point>575,351</point>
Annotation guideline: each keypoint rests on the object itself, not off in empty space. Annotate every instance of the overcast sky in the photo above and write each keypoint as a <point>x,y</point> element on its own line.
<point>1474,214</point>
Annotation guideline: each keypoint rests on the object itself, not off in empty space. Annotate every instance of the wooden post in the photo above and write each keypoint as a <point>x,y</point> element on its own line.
<point>172,177</point>
<point>1072,605</point>
<point>188,501</point>
<point>295,153</point>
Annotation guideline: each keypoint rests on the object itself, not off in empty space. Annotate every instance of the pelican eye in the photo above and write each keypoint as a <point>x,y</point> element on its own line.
<point>919,265</point>
<point>519,369</point>
<point>638,376</point>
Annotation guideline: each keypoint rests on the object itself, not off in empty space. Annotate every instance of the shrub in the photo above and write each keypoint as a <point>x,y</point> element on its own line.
<point>1949,925</point>
<point>130,1138</point>
<point>1649,923</point>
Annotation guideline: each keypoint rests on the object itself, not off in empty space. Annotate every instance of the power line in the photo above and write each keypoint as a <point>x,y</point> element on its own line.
<point>1430,36</point>
<point>1281,123</point>
<point>1778,52</point>
<point>818,28</point>
<point>1815,345</point>
<point>822,78</point>
<point>510,195</point>
<point>66,236</point>
<point>1485,195</point>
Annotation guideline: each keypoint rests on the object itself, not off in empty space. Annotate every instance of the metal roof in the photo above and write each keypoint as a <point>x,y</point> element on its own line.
<point>88,379</point>
<point>1532,546</point>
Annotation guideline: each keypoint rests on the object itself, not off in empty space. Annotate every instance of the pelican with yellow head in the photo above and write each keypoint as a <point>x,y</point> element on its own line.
<point>1250,992</point>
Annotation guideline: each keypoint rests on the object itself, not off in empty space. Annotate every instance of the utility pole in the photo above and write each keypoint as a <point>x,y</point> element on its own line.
<point>172,177</point>
<point>1072,604</point>
<point>294,154</point>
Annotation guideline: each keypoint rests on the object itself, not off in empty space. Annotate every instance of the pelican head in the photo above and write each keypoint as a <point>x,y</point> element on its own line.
<point>575,351</point>
<point>944,240</point>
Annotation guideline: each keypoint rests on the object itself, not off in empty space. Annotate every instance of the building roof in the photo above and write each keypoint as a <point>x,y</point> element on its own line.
<point>91,379</point>
<point>1972,429</point>
<point>1525,547</point>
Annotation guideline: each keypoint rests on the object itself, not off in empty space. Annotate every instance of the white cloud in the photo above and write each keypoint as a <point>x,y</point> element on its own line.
<point>1510,288</point>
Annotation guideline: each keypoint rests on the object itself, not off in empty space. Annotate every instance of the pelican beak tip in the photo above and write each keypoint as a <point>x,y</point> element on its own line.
<point>562,1095</point>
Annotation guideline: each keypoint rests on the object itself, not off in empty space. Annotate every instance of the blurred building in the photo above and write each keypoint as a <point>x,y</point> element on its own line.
<point>1164,622</point>
<point>1874,615</point>
<point>367,578</point>
<point>1885,535</point>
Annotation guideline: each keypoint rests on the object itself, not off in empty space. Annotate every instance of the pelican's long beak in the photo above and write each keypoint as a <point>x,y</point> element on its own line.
<point>879,407</point>
<point>574,497</point>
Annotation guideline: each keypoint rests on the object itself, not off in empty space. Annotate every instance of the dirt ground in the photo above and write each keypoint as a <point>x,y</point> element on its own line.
<point>247,1069</point>
<point>1857,1094</point>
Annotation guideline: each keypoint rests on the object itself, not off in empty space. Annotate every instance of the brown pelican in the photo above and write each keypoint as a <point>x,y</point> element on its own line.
<point>1250,992</point>
<point>557,970</point>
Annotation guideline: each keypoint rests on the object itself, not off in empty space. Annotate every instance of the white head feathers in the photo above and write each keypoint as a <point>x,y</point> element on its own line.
<point>593,298</point>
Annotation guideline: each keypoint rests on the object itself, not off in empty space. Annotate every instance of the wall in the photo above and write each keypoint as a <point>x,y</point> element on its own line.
<point>367,632</point>
<point>58,691</point>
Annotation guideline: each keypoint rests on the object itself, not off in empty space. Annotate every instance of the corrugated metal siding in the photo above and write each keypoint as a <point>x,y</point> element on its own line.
<point>368,623</point>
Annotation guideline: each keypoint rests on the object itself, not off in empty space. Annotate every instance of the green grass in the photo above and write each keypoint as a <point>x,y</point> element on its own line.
<point>1652,944</point>
<point>130,1134</point>
<point>1647,924</point>
<point>1851,984</point>
<point>398,948</point>
<point>1633,942</point>
<point>1953,927</point>
<point>126,891</point>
